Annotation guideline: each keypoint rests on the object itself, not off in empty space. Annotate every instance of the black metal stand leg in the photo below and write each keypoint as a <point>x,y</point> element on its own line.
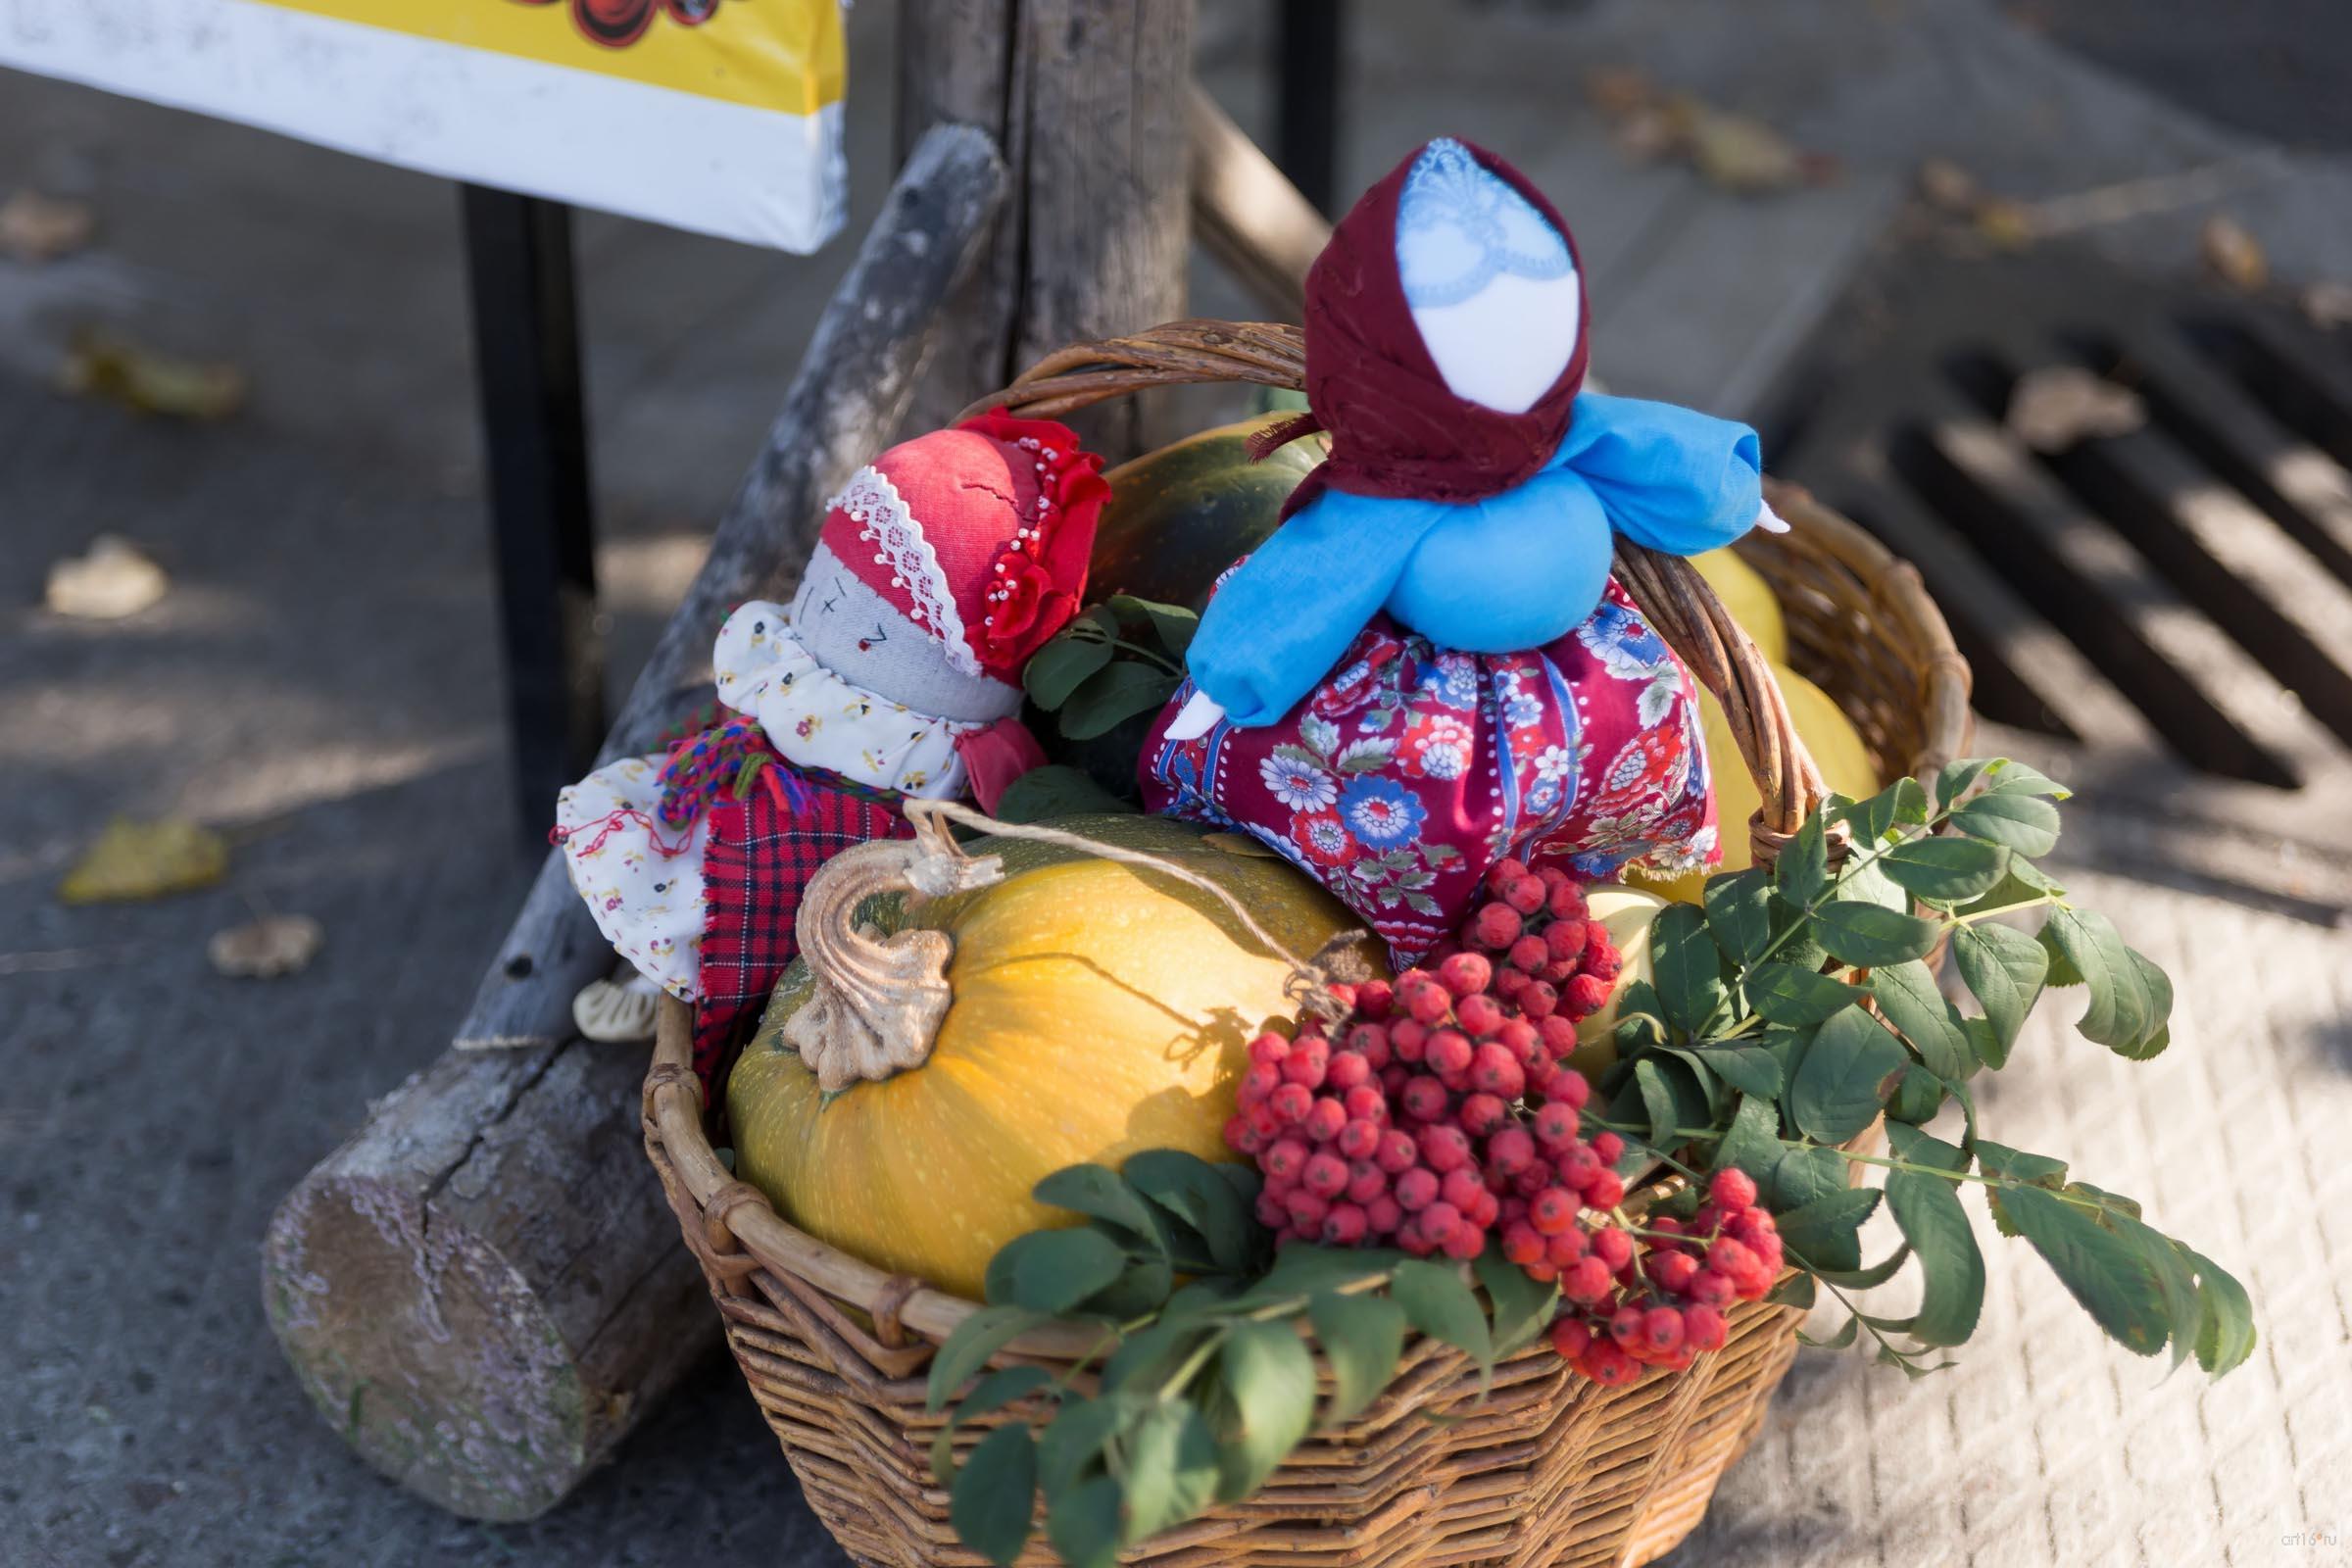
<point>1306,70</point>
<point>534,435</point>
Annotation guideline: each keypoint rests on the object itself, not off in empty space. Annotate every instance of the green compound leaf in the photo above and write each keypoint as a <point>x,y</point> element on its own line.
<point>994,1493</point>
<point>1362,1338</point>
<point>1844,1078</point>
<point>1870,935</point>
<point>1269,1379</point>
<point>1946,870</point>
<point>1686,966</point>
<point>2106,1273</point>
<point>1826,1232</point>
<point>2004,969</point>
<point>1052,1272</point>
<point>1436,1302</point>
<point>975,1340</point>
<point>1787,994</point>
<point>1909,997</point>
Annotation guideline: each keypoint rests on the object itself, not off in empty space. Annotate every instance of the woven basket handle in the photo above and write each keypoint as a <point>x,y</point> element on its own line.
<point>1670,591</point>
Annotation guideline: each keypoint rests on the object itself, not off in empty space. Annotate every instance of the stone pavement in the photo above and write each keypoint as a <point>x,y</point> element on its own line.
<point>322,682</point>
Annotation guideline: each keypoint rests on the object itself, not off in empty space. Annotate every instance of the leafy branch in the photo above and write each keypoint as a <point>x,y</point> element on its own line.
<point>1120,658</point>
<point>1796,1008</point>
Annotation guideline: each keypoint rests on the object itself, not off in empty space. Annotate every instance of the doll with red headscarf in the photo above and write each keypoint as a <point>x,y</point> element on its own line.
<point>1428,667</point>
<point>894,672</point>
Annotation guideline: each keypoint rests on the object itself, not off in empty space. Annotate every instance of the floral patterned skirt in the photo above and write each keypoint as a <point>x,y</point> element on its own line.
<point>1412,770</point>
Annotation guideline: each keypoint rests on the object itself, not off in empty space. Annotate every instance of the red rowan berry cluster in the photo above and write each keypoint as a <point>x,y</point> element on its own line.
<point>1441,1111</point>
<point>1660,1304</point>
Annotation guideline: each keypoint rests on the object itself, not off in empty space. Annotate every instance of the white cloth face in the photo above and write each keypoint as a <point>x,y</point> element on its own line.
<point>818,719</point>
<point>1504,345</point>
<point>641,879</point>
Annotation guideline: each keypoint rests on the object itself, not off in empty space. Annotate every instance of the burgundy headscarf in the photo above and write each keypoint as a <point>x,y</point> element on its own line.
<point>1397,428</point>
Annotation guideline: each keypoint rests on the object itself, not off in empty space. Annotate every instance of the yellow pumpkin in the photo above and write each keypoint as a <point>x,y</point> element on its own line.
<point>1838,750</point>
<point>1097,1009</point>
<point>1748,597</point>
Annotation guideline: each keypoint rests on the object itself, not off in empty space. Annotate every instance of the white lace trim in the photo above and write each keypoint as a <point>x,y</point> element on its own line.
<point>883,516</point>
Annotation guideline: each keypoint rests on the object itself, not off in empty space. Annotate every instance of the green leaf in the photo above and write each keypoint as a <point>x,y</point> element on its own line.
<point>1170,1469</point>
<point>1112,695</point>
<point>1926,1148</point>
<point>2175,1282</point>
<point>1872,1277</point>
<point>1839,1341</point>
<point>1052,1272</point>
<point>1788,1047</point>
<point>1151,1353</point>
<point>2014,1164</point>
<point>1362,1338</point>
<point>1911,1001</point>
<point>1522,1307</point>
<point>1955,778</point>
<point>2004,969</point>
<point>1083,1523</point>
<point>2224,1316</point>
<point>1686,966</point>
<point>1269,1378</point>
<point>1438,1304</point>
<point>2025,823</point>
<point>994,1391</point>
<point>1141,1289</point>
<point>1055,670</point>
<point>1055,790</point>
<point>2118,1014</point>
<point>1740,914</point>
<point>1804,867</point>
<point>1199,1194</point>
<point>1807,1175</point>
<point>1948,870</point>
<point>1917,1096</point>
<point>1784,993</point>
<point>2155,1031</point>
<point>1750,1069</point>
<point>1753,1142</point>
<point>994,1493</point>
<point>1076,1438</point>
<point>1927,1210</point>
<point>1173,624</point>
<point>976,1339</point>
<point>1845,1077</point>
<point>1826,1232</point>
<point>2102,1270</point>
<point>1902,802</point>
<point>1671,1098</point>
<point>1868,884</point>
<point>2005,777</point>
<point>1098,1193</point>
<point>1795,1291</point>
<point>1869,935</point>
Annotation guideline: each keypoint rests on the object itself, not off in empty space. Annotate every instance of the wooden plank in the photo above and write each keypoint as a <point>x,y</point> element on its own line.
<point>482,1289</point>
<point>1247,214</point>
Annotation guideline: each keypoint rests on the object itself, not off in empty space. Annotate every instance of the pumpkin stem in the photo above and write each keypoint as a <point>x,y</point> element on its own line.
<point>878,1000</point>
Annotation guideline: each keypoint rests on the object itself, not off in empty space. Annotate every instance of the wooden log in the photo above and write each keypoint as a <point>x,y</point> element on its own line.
<point>1088,99</point>
<point>482,1289</point>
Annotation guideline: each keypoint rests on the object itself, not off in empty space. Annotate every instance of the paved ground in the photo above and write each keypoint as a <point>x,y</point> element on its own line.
<point>323,681</point>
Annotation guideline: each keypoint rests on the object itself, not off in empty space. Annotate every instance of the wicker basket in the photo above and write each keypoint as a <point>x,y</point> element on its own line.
<point>1542,1469</point>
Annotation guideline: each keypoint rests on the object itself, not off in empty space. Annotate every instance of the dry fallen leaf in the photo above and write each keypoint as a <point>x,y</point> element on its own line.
<point>1947,187</point>
<point>1618,90</point>
<point>34,227</point>
<point>2328,305</point>
<point>2058,406</point>
<point>273,946</point>
<point>112,579</point>
<point>134,860</point>
<point>1741,155</point>
<point>102,365</point>
<point>2006,224</point>
<point>2232,255</point>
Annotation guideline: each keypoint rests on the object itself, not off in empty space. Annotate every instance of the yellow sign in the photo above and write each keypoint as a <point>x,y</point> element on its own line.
<point>720,115</point>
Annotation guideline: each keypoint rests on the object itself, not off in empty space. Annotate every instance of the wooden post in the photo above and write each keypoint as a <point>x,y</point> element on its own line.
<point>1088,99</point>
<point>482,1290</point>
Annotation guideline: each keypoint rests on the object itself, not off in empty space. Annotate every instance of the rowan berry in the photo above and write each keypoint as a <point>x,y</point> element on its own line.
<point>1563,943</point>
<point>1553,1211</point>
<point>1284,1160</point>
<point>1291,1102</point>
<point>1482,1113</point>
<point>1605,1190</point>
<point>1496,926</point>
<point>1417,1189</point>
<point>1662,1329</point>
<point>1525,894</point>
<point>1345,1225</point>
<point>1268,1049</point>
<point>1325,1119</point>
<point>1496,1070</point>
<point>1571,1338</point>
<point>1529,953</point>
<point>1366,1103</point>
<point>1408,1038</point>
<point>1373,998</point>
<point>1479,1015</point>
<point>1444,1147</point>
<point>1348,1069</point>
<point>1425,1098</point>
<point>1538,998</point>
<point>1397,1151</point>
<point>1732,1188</point>
<point>1523,1243</point>
<point>1465,974</point>
<point>1607,1365</point>
<point>1709,1288</point>
<point>1586,1281</point>
<point>1257,1084</point>
<point>1626,1325</point>
<point>1613,1246</point>
<point>1365,1181</point>
<point>1704,1327</point>
<point>1584,995</point>
<point>1449,1052</point>
<point>1566,1248</point>
<point>1510,1151</point>
<point>1360,1138</point>
<point>1325,1175</point>
<point>1384,1214</point>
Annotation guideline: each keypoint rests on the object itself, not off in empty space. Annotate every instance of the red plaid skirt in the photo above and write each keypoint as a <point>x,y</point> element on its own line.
<point>761,850</point>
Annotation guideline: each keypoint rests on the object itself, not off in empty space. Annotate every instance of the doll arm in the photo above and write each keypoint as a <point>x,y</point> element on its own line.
<point>1669,479</point>
<point>1286,614</point>
<point>994,756</point>
<point>756,638</point>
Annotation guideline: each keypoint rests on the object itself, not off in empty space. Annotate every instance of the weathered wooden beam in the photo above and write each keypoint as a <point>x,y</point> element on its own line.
<point>482,1289</point>
<point>1087,98</point>
<point>1247,215</point>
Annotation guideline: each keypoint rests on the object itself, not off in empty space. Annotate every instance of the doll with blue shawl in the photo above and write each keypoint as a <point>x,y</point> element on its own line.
<point>1428,667</point>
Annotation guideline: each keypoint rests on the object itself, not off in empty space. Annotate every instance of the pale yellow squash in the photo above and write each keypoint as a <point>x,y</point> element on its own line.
<point>1098,1010</point>
<point>1626,913</point>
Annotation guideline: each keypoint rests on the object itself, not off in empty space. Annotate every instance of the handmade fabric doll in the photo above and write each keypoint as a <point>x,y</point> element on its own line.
<point>1427,667</point>
<point>894,672</point>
